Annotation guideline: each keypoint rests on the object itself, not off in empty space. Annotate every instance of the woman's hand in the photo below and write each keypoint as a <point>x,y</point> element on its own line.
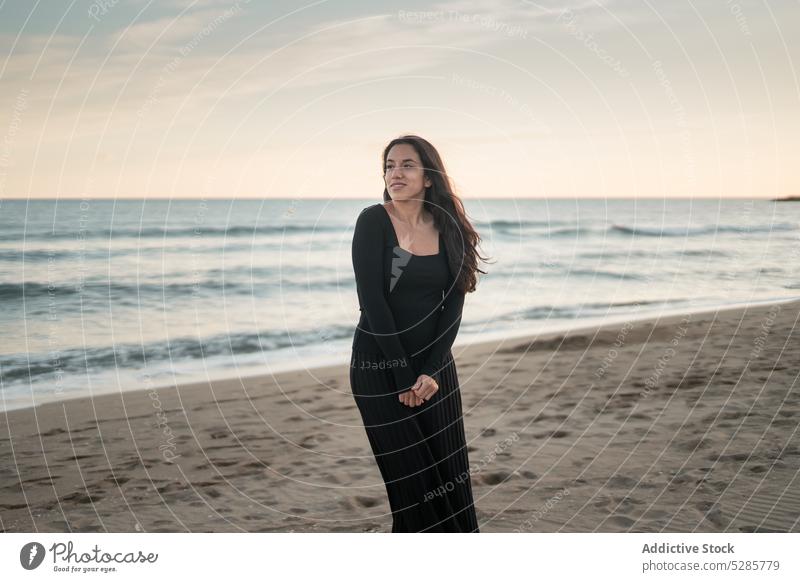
<point>420,392</point>
<point>409,398</point>
<point>425,387</point>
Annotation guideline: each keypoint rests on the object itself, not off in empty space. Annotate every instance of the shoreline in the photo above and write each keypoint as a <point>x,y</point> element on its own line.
<point>676,423</point>
<point>578,325</point>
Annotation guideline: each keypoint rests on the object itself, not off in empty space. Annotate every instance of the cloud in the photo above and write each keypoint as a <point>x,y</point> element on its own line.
<point>173,31</point>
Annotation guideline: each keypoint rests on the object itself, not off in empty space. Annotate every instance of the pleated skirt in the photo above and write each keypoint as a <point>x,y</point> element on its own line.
<point>421,452</point>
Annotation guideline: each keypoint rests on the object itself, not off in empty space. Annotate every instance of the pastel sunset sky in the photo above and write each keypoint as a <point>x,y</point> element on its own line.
<point>206,98</point>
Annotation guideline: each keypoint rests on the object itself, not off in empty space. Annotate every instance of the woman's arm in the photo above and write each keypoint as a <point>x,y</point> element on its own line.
<point>446,328</point>
<point>367,254</point>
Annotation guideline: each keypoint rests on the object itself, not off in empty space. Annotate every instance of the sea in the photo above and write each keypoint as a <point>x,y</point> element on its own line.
<point>104,295</point>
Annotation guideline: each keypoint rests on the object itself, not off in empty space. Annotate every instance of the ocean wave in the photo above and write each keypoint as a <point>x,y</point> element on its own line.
<point>701,230</point>
<point>101,251</point>
<point>577,230</point>
<point>649,254</point>
<point>562,270</point>
<point>36,366</point>
<point>601,274</point>
<point>504,224</point>
<point>559,232</point>
<point>170,232</point>
<point>545,312</point>
<point>134,293</point>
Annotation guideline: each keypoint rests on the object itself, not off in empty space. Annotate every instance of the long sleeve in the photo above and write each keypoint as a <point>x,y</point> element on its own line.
<point>367,254</point>
<point>446,328</point>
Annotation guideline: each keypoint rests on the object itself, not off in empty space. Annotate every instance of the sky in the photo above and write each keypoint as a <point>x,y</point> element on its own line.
<point>547,99</point>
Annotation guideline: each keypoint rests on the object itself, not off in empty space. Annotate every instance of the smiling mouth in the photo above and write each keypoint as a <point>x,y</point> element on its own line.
<point>397,184</point>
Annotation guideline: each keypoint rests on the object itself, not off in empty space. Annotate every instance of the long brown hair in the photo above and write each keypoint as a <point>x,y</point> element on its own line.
<point>460,238</point>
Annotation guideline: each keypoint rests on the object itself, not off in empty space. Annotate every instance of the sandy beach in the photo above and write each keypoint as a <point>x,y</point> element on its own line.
<point>683,424</point>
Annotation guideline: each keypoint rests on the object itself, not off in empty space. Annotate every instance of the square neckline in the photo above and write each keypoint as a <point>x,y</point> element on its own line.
<point>397,241</point>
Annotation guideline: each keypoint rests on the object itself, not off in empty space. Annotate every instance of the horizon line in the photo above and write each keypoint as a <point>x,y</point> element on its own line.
<point>767,198</point>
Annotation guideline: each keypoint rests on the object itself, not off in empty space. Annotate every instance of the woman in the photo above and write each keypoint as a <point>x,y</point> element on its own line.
<point>414,259</point>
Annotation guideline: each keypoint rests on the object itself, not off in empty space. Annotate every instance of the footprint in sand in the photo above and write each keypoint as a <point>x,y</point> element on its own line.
<point>758,529</point>
<point>736,457</point>
<point>223,462</point>
<point>313,441</point>
<point>693,444</point>
<point>79,497</point>
<point>495,477</point>
<point>116,480</point>
<point>556,434</point>
<point>627,501</point>
<point>711,512</point>
<point>622,482</point>
<point>622,521</point>
<point>53,432</point>
<point>655,514</point>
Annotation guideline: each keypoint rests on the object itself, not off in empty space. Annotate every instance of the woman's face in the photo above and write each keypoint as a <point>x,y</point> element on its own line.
<point>404,175</point>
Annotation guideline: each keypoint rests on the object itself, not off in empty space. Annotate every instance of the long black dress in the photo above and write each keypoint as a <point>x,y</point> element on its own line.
<point>410,315</point>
